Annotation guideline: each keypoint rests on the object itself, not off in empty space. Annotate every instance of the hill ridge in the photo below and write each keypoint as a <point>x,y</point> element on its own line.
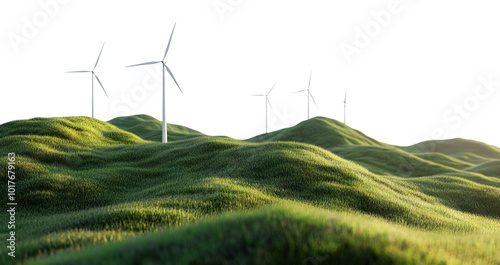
<point>149,128</point>
<point>320,131</point>
<point>86,184</point>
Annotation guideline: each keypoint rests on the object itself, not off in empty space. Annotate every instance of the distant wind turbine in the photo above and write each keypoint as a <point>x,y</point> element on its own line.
<point>165,67</point>
<point>267,101</point>
<point>93,74</point>
<point>309,95</point>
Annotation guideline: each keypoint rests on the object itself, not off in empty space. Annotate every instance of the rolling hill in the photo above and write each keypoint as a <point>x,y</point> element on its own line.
<point>456,148</point>
<point>489,168</point>
<point>95,193</point>
<point>455,156</point>
<point>149,128</point>
<point>322,132</point>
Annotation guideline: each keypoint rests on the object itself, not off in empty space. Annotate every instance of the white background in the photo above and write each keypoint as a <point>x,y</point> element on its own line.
<point>411,75</point>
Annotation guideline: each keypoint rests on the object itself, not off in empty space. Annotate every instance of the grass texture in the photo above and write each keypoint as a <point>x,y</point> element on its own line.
<point>92,192</point>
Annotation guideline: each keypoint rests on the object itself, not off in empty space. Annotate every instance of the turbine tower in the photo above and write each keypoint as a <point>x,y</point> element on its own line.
<point>93,75</point>
<point>165,67</point>
<point>267,101</point>
<point>309,95</point>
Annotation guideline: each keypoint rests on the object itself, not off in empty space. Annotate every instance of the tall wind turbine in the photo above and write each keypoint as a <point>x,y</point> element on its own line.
<point>93,74</point>
<point>165,67</point>
<point>309,95</point>
<point>267,101</point>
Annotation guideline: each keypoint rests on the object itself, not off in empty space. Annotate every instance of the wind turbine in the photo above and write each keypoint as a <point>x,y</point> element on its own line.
<point>267,101</point>
<point>309,95</point>
<point>93,74</point>
<point>165,67</point>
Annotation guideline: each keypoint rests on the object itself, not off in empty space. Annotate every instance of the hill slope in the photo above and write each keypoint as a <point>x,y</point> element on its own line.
<point>82,130</point>
<point>322,132</point>
<point>424,159</point>
<point>489,168</point>
<point>149,128</point>
<point>456,147</point>
<point>93,193</point>
<point>290,235</point>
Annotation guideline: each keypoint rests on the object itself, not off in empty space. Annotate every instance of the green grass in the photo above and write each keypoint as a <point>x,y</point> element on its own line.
<point>488,168</point>
<point>456,147</point>
<point>445,160</point>
<point>149,128</point>
<point>92,193</point>
<point>286,234</point>
<point>394,161</point>
<point>322,132</point>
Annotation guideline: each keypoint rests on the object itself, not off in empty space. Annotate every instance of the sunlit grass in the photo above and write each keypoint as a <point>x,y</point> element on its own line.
<point>95,194</point>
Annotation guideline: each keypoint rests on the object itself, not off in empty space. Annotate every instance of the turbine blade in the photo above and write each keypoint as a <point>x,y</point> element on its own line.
<point>299,91</point>
<point>272,88</point>
<point>98,57</point>
<point>169,41</point>
<point>101,85</point>
<point>172,75</point>
<point>310,76</point>
<point>257,95</point>
<point>143,64</point>
<point>313,99</point>
<point>268,101</point>
<point>78,72</point>
<point>345,99</point>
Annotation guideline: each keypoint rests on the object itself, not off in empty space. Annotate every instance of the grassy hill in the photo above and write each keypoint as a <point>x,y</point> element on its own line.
<point>149,128</point>
<point>320,131</point>
<point>291,235</point>
<point>489,168</point>
<point>425,159</point>
<point>66,131</point>
<point>457,148</point>
<point>394,161</point>
<point>95,194</point>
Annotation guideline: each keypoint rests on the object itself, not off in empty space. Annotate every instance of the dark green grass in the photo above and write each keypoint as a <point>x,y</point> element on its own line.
<point>445,160</point>
<point>149,128</point>
<point>394,161</point>
<point>489,168</point>
<point>322,132</point>
<point>290,235</point>
<point>425,159</point>
<point>86,183</point>
<point>456,147</point>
